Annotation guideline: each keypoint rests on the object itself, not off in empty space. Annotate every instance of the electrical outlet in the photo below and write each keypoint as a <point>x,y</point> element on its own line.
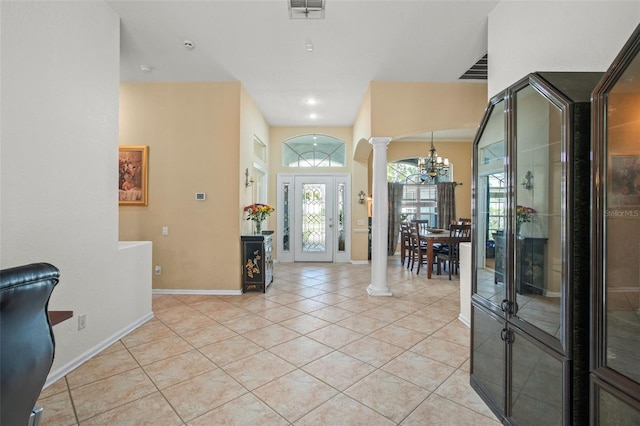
<point>165,230</point>
<point>82,321</point>
<point>158,270</point>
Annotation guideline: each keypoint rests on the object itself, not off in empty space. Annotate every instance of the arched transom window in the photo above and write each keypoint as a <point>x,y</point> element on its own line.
<point>313,151</point>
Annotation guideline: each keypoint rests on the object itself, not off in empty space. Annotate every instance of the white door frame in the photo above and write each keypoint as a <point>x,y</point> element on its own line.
<point>288,212</point>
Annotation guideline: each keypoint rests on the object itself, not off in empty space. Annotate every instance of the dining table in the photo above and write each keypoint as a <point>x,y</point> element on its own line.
<point>430,238</point>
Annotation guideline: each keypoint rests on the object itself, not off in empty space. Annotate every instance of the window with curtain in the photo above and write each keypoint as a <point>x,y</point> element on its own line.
<point>419,200</point>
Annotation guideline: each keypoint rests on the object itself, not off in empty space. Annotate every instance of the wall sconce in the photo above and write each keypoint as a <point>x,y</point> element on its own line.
<point>247,182</point>
<point>361,197</point>
<point>526,182</point>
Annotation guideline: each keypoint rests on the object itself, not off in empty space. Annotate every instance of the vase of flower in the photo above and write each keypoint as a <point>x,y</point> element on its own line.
<point>523,215</point>
<point>257,213</point>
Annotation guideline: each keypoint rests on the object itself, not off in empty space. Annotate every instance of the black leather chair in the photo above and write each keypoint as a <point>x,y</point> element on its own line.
<point>26,339</point>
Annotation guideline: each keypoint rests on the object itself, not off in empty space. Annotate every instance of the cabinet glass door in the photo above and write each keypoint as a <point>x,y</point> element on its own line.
<point>491,206</point>
<point>488,354</point>
<point>622,225</point>
<point>615,366</point>
<point>536,384</point>
<point>539,199</point>
<point>614,408</point>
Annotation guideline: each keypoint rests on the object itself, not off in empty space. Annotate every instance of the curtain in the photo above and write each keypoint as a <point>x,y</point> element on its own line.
<point>446,204</point>
<point>395,200</point>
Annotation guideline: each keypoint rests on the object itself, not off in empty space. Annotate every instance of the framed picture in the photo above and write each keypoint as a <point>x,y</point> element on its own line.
<point>133,175</point>
<point>624,181</point>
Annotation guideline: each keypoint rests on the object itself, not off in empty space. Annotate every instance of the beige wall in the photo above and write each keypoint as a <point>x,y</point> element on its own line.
<point>404,109</point>
<point>362,129</point>
<point>252,126</point>
<point>360,175</point>
<point>193,132</point>
<point>458,153</point>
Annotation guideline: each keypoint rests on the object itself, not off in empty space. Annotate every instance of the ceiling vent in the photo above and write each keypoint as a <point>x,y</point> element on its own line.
<point>306,9</point>
<point>478,71</point>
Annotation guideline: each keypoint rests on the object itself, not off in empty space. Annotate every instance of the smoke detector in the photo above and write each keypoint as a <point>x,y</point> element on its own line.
<point>188,44</point>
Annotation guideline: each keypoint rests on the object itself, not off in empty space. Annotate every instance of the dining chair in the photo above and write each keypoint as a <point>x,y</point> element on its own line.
<point>423,224</point>
<point>449,257</point>
<point>420,250</point>
<point>405,243</point>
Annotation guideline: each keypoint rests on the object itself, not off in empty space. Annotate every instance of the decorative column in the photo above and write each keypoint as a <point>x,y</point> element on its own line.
<point>379,219</point>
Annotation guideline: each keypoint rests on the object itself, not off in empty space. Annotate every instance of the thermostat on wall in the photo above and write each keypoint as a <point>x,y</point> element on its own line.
<point>201,196</point>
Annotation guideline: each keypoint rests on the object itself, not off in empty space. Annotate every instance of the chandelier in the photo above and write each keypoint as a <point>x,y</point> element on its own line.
<point>432,166</point>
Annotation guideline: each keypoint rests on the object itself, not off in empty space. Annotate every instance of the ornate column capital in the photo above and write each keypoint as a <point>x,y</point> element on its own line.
<point>379,140</point>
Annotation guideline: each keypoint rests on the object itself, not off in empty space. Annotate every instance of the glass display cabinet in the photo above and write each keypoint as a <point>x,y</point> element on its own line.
<point>530,297</point>
<point>615,375</point>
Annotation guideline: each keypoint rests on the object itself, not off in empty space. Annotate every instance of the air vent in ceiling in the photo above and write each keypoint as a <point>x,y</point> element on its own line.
<point>306,9</point>
<point>478,71</point>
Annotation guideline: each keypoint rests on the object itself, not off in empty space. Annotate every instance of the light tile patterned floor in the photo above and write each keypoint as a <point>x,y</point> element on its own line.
<point>314,350</point>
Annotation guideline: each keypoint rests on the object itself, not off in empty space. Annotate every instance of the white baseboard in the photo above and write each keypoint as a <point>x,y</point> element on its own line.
<point>360,262</point>
<point>54,376</point>
<point>203,292</point>
<point>464,320</point>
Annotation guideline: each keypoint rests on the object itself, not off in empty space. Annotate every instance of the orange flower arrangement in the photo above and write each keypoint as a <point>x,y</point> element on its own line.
<point>258,212</point>
<point>523,214</point>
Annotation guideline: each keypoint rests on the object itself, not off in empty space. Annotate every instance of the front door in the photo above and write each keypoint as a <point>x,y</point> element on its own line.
<point>314,218</point>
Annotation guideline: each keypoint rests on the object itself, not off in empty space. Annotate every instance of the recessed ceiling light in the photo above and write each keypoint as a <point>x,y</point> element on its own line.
<point>311,101</point>
<point>313,116</point>
<point>145,68</point>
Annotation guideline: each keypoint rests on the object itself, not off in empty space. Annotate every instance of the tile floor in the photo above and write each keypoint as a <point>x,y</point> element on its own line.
<point>314,350</point>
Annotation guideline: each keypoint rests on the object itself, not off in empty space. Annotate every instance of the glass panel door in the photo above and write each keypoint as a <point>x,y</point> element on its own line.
<point>491,208</point>
<point>536,384</point>
<point>615,374</point>
<point>539,200</point>
<point>622,225</point>
<point>615,409</point>
<point>313,233</point>
<point>488,358</point>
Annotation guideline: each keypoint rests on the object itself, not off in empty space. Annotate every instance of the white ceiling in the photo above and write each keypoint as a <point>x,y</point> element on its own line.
<point>256,43</point>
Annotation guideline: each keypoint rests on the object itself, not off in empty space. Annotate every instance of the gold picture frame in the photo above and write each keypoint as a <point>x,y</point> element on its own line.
<point>133,175</point>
